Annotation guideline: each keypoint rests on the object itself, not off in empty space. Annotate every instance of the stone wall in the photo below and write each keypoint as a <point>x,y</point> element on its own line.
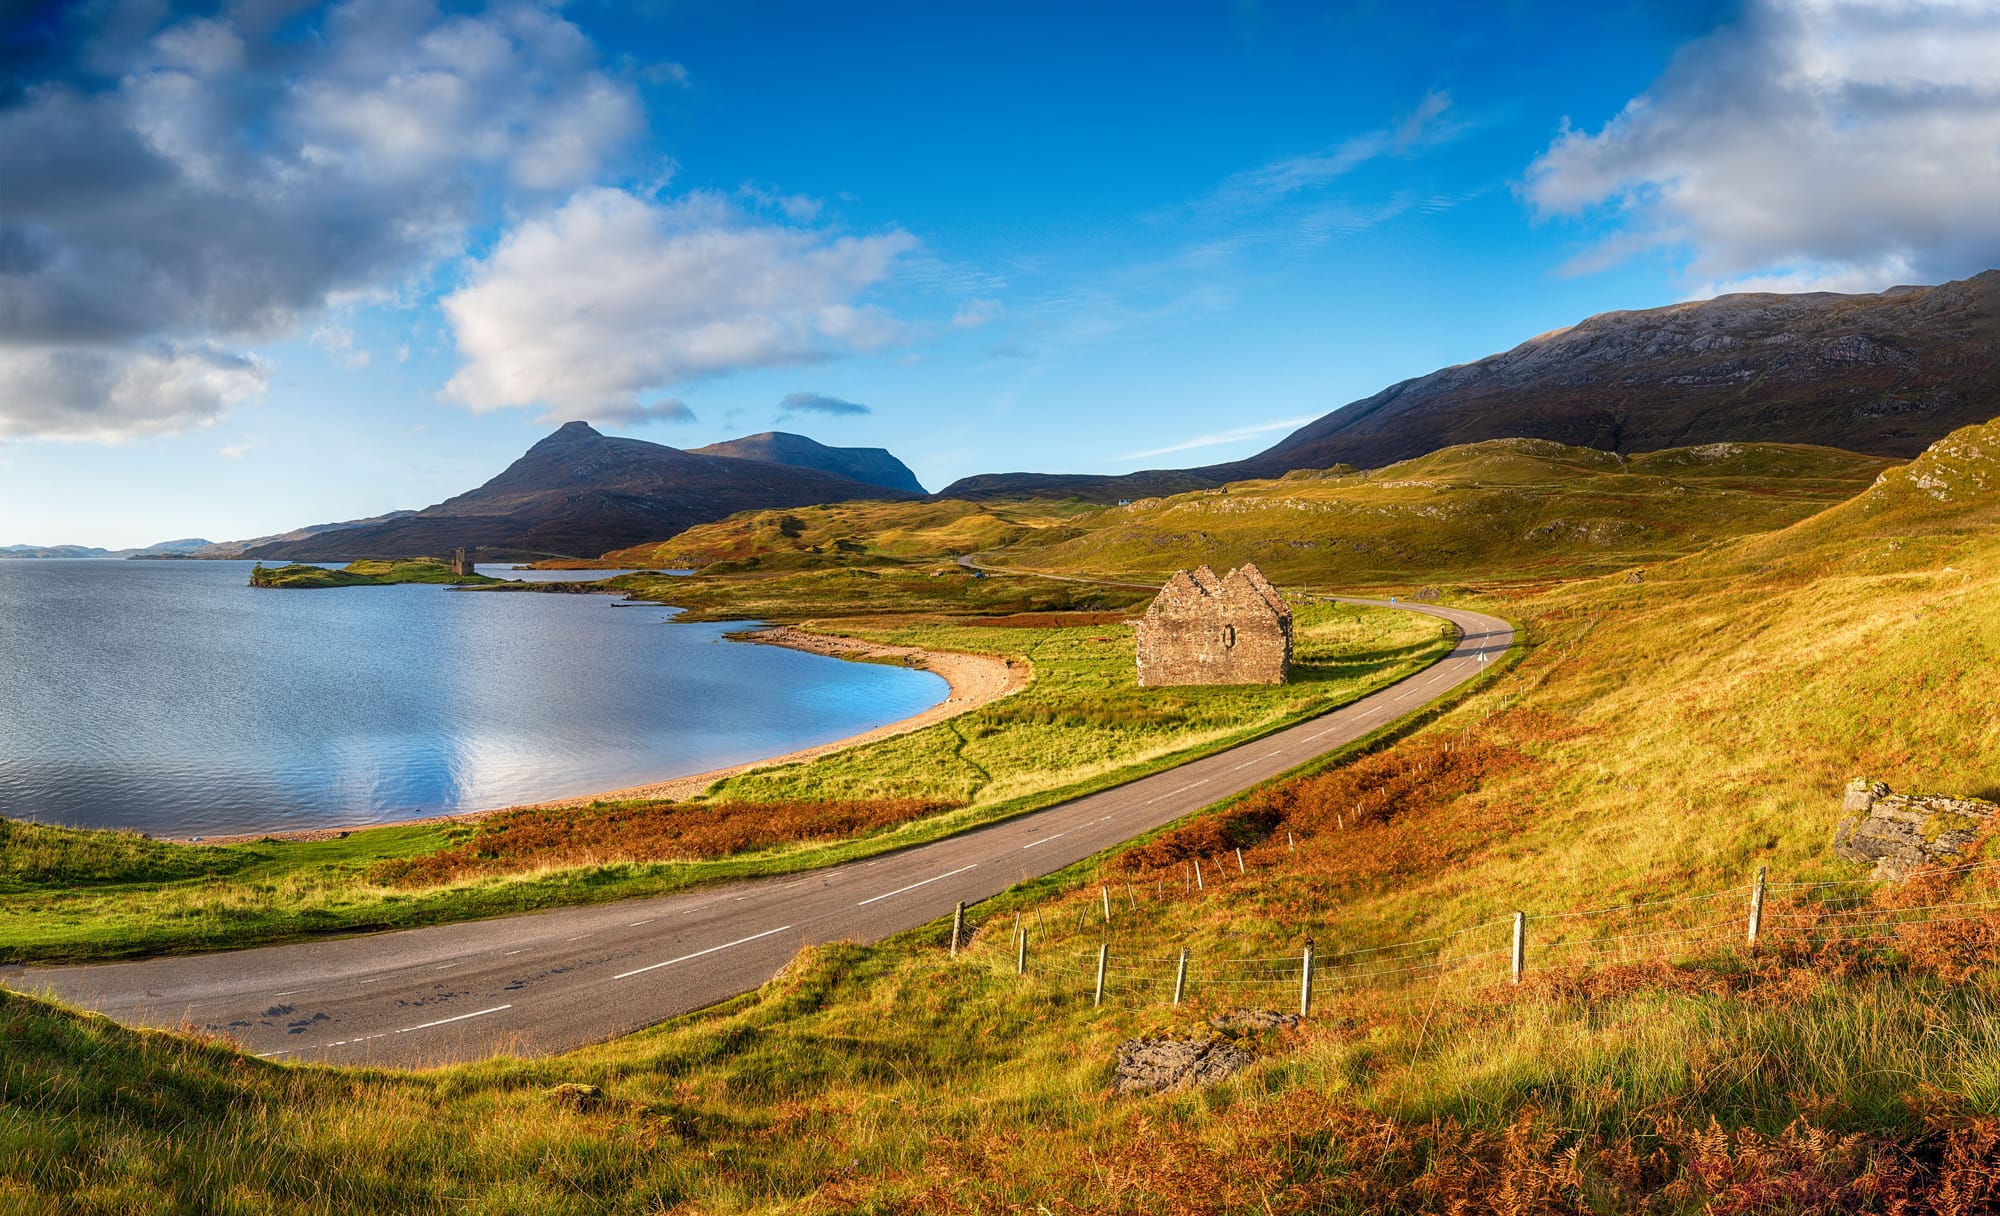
<point>1902,832</point>
<point>1202,629</point>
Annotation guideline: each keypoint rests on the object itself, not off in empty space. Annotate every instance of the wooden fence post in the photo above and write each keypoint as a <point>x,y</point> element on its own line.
<point>1756,907</point>
<point>1106,893</point>
<point>1520,944</point>
<point>1197,876</point>
<point>1131,897</point>
<point>1103,957</point>
<point>1239,862</point>
<point>957,925</point>
<point>1291,846</point>
<point>1180,977</point>
<point>1021,952</point>
<point>1306,982</point>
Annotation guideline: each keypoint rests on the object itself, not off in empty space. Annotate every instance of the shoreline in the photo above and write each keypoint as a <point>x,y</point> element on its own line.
<point>972,680</point>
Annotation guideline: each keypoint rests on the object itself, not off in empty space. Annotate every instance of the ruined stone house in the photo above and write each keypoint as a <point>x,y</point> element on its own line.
<point>1202,629</point>
<point>461,564</point>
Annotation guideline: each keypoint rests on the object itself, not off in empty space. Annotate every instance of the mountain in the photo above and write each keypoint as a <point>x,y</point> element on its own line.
<point>166,548</point>
<point>579,493</point>
<point>1886,374</point>
<point>237,548</point>
<point>869,466</point>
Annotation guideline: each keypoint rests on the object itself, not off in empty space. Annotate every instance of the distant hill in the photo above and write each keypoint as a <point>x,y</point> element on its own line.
<point>579,493</point>
<point>870,466</point>
<point>166,548</point>
<point>237,548</point>
<point>1887,374</point>
<point>1505,509</point>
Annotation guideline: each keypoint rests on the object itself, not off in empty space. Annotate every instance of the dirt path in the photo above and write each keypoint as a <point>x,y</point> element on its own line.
<point>975,680</point>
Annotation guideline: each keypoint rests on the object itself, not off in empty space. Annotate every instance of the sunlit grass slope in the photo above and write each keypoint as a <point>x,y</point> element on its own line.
<point>1658,740</point>
<point>1502,510</point>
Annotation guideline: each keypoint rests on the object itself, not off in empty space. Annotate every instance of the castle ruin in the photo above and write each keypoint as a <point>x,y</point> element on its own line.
<point>1202,629</point>
<point>461,564</point>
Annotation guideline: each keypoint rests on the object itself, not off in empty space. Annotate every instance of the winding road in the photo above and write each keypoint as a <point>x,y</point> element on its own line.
<point>550,981</point>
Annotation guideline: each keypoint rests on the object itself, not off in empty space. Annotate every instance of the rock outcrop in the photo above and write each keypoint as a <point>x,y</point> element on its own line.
<point>1903,832</point>
<point>1151,1066</point>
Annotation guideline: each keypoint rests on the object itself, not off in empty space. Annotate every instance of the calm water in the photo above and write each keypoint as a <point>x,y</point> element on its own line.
<point>172,698</point>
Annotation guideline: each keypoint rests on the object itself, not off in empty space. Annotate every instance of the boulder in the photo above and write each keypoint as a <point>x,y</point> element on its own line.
<point>1635,577</point>
<point>1151,1066</point>
<point>1249,1021</point>
<point>1899,833</point>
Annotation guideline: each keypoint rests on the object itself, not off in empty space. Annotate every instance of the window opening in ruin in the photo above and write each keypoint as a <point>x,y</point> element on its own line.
<point>1229,635</point>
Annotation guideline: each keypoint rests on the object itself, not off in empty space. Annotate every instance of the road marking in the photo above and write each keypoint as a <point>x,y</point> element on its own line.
<point>1044,840</point>
<point>268,1055</point>
<point>289,992</point>
<point>925,883</point>
<point>635,924</point>
<point>511,952</point>
<point>579,937</point>
<point>460,1018</point>
<point>697,954</point>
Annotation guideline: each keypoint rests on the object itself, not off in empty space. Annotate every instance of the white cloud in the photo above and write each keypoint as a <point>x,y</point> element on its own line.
<point>104,397</point>
<point>338,342</point>
<point>820,403</point>
<point>235,451</point>
<point>1814,144</point>
<point>1280,179</point>
<point>976,313</point>
<point>612,296</point>
<point>226,188</point>
<point>666,409</point>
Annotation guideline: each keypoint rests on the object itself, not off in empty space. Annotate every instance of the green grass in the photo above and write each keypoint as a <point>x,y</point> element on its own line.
<point>1654,740</point>
<point>300,576</point>
<point>68,895</point>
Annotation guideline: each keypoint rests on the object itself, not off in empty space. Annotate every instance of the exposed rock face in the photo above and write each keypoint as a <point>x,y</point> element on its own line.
<point>870,466</point>
<point>1202,629</point>
<point>1150,1066</point>
<point>1245,1021</point>
<point>1902,832</point>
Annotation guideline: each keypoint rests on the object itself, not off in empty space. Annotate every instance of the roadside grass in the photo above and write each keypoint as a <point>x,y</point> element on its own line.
<point>1656,740</point>
<point>70,895</point>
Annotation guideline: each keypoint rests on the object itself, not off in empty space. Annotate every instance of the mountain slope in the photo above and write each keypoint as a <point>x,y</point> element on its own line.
<point>1885,374</point>
<point>870,466</point>
<point>579,493</point>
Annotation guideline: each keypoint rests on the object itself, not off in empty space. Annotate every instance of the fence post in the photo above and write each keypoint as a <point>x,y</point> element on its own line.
<point>1291,846</point>
<point>1306,982</point>
<point>1106,893</point>
<point>1239,862</point>
<point>1756,907</point>
<point>957,925</point>
<point>1103,957</point>
<point>1197,876</point>
<point>1131,897</point>
<point>1520,944</point>
<point>1021,952</point>
<point>1180,977</point>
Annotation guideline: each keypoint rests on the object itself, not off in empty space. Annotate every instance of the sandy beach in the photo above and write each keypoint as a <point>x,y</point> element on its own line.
<point>974,680</point>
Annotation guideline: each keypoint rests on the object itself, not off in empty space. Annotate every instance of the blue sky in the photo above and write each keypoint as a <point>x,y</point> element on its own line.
<point>268,264</point>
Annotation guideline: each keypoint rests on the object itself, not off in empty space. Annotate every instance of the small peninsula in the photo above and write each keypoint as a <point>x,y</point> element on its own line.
<point>367,574</point>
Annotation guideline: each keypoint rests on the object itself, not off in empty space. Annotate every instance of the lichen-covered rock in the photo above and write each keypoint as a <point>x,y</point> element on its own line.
<point>577,1096</point>
<point>1902,832</point>
<point>1150,1066</point>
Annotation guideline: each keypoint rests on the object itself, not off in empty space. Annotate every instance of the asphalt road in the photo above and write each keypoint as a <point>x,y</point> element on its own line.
<point>551,981</point>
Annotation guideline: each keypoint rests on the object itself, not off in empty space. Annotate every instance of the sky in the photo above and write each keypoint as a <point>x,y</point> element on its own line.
<point>265,264</point>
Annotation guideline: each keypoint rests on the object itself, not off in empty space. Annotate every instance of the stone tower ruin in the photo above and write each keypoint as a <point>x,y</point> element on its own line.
<point>1202,629</point>
<point>461,564</point>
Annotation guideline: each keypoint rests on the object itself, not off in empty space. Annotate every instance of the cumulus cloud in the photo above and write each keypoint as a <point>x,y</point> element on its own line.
<point>1838,144</point>
<point>109,397</point>
<point>613,295</point>
<point>177,183</point>
<point>820,403</point>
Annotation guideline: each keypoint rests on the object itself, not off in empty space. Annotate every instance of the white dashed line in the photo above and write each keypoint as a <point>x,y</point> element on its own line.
<point>460,1018</point>
<point>699,953</point>
<point>913,886</point>
<point>1044,840</point>
<point>635,924</point>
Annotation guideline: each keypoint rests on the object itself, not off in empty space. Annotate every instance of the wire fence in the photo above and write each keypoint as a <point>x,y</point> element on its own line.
<point>1135,958</point>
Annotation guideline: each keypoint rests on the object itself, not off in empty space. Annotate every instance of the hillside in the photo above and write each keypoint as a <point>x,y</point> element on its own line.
<point>1504,509</point>
<point>1654,746</point>
<point>870,466</point>
<point>579,493</point>
<point>1885,374</point>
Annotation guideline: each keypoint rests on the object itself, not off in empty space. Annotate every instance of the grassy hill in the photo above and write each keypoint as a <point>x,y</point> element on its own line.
<point>304,576</point>
<point>1657,741</point>
<point>1499,511</point>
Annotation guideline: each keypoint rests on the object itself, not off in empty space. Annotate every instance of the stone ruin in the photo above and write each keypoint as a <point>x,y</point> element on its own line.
<point>461,564</point>
<point>1904,832</point>
<point>1202,629</point>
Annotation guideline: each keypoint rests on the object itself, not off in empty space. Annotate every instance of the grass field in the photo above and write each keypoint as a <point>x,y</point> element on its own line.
<point>307,577</point>
<point>1657,741</point>
<point>1082,724</point>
